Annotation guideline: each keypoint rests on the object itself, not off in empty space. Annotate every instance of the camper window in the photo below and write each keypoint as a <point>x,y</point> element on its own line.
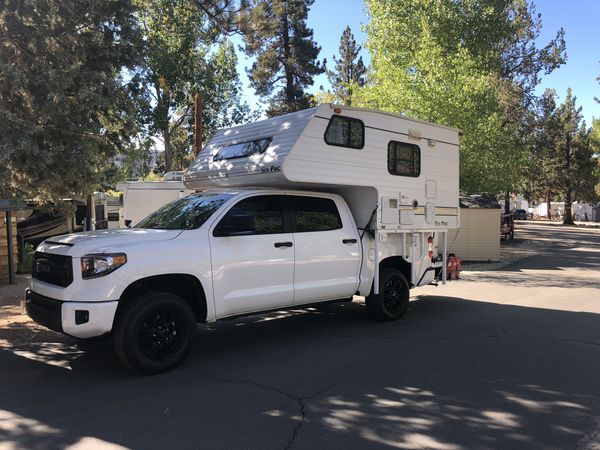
<point>404,159</point>
<point>242,149</point>
<point>345,132</point>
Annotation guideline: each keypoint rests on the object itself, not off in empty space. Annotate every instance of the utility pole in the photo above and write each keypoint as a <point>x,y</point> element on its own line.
<point>198,124</point>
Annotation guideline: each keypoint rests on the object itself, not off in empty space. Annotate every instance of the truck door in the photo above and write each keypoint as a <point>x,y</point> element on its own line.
<point>327,250</point>
<point>252,257</point>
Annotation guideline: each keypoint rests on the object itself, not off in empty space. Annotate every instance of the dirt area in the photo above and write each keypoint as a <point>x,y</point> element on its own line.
<point>16,328</point>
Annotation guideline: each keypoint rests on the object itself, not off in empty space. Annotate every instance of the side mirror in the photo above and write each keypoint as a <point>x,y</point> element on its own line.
<point>128,223</point>
<point>237,225</point>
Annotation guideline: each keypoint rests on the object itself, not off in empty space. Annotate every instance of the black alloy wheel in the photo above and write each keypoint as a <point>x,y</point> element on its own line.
<point>394,294</point>
<point>154,332</point>
<point>161,334</point>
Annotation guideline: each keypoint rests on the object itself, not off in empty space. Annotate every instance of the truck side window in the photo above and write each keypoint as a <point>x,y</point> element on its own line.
<point>255,215</point>
<point>345,132</point>
<point>404,159</point>
<point>315,214</point>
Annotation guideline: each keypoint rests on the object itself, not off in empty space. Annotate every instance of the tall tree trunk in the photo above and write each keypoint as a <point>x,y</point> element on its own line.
<point>168,149</point>
<point>507,202</point>
<point>568,218</point>
<point>289,78</point>
<point>548,204</point>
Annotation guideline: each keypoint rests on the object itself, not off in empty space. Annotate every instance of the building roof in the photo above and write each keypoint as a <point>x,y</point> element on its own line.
<point>484,201</point>
<point>12,205</point>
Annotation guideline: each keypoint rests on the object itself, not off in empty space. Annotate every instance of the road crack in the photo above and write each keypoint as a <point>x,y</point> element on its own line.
<point>300,401</point>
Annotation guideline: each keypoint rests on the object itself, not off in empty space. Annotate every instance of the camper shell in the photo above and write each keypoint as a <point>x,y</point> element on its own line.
<point>298,156</point>
<point>398,175</point>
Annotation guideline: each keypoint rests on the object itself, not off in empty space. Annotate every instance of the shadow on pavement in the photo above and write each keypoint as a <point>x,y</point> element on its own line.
<point>452,374</point>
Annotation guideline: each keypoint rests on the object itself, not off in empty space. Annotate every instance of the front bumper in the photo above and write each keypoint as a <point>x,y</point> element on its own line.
<point>78,319</point>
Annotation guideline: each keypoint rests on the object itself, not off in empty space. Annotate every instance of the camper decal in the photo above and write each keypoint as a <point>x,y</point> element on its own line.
<point>270,169</point>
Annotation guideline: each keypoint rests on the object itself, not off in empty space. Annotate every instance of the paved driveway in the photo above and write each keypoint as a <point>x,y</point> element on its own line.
<point>502,359</point>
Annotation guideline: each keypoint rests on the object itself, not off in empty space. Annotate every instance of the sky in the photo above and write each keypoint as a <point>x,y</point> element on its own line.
<point>579,18</point>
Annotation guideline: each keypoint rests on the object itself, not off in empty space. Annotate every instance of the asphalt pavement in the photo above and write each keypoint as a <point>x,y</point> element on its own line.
<point>508,358</point>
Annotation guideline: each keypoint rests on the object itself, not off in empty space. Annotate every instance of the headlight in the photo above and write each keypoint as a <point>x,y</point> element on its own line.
<point>93,266</point>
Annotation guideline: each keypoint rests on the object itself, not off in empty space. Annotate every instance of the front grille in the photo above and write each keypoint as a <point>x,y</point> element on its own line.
<point>53,269</point>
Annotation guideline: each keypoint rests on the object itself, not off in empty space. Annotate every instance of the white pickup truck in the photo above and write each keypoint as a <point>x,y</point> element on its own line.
<point>211,256</point>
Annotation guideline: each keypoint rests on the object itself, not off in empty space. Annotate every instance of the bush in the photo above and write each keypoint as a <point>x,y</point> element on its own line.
<point>24,266</point>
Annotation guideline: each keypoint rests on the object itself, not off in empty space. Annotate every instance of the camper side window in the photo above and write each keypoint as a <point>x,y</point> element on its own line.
<point>404,159</point>
<point>242,149</point>
<point>345,132</point>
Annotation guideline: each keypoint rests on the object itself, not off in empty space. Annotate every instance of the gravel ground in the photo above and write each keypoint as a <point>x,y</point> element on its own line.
<point>17,329</point>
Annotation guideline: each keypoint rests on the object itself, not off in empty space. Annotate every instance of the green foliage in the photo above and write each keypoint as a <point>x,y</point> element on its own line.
<point>179,64</point>
<point>24,266</point>
<point>350,71</point>
<point>563,160</point>
<point>286,54</point>
<point>470,64</point>
<point>65,108</point>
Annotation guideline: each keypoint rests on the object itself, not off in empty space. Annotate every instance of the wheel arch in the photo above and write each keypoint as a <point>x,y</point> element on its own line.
<point>186,286</point>
<point>398,263</point>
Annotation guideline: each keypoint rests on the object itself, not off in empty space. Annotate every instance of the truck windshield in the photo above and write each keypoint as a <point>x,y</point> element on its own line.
<point>186,213</point>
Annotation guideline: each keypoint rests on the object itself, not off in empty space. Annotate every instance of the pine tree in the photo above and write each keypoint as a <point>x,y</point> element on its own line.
<point>65,108</point>
<point>562,159</point>
<point>541,170</point>
<point>349,72</point>
<point>574,155</point>
<point>286,54</point>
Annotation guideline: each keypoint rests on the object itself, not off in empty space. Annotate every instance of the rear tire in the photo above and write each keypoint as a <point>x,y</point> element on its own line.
<point>392,301</point>
<point>155,332</point>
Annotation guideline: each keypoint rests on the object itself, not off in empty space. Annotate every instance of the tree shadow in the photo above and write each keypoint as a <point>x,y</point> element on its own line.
<point>452,373</point>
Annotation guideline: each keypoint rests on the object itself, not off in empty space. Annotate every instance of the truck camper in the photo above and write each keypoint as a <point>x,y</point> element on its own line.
<point>319,205</point>
<point>399,176</point>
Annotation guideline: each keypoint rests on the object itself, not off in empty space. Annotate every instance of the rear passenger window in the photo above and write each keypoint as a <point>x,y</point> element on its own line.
<point>255,215</point>
<point>345,132</point>
<point>315,214</point>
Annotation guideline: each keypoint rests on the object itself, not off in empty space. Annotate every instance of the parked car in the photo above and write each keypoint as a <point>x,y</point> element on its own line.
<point>520,214</point>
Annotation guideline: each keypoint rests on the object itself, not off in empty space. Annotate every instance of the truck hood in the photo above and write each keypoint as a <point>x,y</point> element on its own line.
<point>102,241</point>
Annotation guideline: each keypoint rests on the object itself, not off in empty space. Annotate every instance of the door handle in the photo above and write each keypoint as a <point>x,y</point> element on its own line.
<point>349,241</point>
<point>283,244</point>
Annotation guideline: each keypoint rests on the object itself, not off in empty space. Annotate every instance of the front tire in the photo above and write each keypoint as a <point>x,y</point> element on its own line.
<point>155,332</point>
<point>392,301</point>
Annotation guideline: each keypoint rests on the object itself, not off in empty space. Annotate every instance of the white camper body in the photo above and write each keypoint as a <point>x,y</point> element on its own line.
<point>401,171</point>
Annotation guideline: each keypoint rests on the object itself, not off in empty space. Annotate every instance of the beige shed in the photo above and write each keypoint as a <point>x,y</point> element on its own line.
<point>478,238</point>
